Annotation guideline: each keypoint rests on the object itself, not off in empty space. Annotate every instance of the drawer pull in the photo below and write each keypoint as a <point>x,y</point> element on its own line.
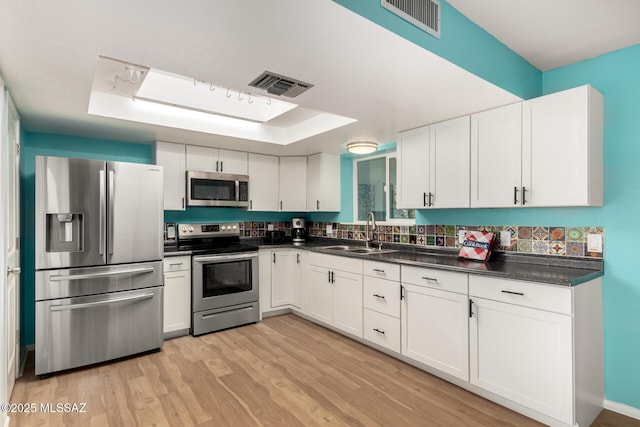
<point>378,331</point>
<point>431,279</point>
<point>377,270</point>
<point>512,293</point>
<point>175,264</point>
<point>379,296</point>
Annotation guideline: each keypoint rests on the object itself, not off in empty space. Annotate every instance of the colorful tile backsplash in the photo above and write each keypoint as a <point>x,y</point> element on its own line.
<point>539,240</point>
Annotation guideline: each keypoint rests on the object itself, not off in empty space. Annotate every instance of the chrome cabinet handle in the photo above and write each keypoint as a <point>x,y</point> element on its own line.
<point>430,279</point>
<point>430,196</point>
<point>317,205</point>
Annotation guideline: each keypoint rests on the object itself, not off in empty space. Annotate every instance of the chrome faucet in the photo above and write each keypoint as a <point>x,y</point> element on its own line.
<point>370,217</point>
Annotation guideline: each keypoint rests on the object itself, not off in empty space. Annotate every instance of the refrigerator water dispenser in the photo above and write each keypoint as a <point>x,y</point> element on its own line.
<point>64,232</point>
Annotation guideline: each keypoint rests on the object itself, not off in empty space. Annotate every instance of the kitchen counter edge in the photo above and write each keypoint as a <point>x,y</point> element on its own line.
<point>562,272</point>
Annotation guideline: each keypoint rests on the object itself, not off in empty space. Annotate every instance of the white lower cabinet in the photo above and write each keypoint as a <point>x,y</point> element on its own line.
<point>177,295</point>
<point>435,321</point>
<point>539,345</point>
<point>281,279</point>
<point>335,292</point>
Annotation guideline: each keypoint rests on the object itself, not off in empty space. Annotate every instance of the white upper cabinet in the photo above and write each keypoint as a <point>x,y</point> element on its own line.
<point>562,149</point>
<point>263,183</point>
<point>449,164</point>
<point>292,184</point>
<point>496,150</point>
<point>433,166</point>
<point>205,159</point>
<point>412,174</point>
<point>172,158</point>
<point>323,183</point>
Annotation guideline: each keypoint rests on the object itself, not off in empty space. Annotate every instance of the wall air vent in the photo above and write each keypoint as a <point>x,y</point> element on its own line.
<point>424,14</point>
<point>276,84</point>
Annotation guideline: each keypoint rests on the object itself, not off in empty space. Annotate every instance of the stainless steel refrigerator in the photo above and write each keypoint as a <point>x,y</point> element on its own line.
<point>99,279</point>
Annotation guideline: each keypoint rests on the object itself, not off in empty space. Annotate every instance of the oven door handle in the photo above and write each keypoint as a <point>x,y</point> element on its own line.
<point>217,258</point>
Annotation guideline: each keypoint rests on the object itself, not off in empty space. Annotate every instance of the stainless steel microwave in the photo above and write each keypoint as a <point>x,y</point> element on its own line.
<point>217,189</point>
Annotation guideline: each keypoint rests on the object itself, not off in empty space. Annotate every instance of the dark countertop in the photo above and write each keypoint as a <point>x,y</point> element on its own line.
<point>564,271</point>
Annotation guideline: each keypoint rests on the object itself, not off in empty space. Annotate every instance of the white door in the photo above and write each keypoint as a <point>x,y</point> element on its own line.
<point>281,277</point>
<point>203,159</point>
<point>347,302</point>
<point>496,149</point>
<point>435,329</point>
<point>412,174</point>
<point>449,163</point>
<point>234,162</point>
<point>320,298</point>
<point>172,159</point>
<point>556,126</point>
<point>524,355</point>
<point>9,231</point>
<point>263,174</point>
<point>293,184</point>
<point>297,275</point>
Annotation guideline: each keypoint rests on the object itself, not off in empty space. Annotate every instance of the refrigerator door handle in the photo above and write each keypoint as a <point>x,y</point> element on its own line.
<point>97,303</point>
<point>66,277</point>
<point>101,214</point>
<point>111,213</point>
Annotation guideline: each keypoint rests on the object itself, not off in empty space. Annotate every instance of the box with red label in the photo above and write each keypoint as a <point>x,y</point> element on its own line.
<point>477,245</point>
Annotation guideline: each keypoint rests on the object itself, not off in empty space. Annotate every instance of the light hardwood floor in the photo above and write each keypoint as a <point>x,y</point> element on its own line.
<point>284,371</point>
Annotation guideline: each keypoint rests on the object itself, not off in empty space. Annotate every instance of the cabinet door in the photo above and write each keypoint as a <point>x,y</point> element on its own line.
<point>524,355</point>
<point>203,159</point>
<point>347,302</point>
<point>233,162</point>
<point>263,183</point>
<point>177,300</point>
<point>292,184</point>
<point>562,149</point>
<point>435,329</point>
<point>172,158</point>
<point>320,298</point>
<point>323,185</point>
<point>412,175</point>
<point>298,262</point>
<point>281,277</point>
<point>449,163</point>
<point>496,148</point>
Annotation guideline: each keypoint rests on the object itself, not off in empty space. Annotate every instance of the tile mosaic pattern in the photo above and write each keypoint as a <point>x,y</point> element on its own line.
<point>539,240</point>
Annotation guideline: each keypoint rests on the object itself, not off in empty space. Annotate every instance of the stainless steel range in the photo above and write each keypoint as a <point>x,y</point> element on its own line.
<point>224,276</point>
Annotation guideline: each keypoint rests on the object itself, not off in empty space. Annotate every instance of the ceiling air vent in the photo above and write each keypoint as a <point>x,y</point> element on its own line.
<point>276,84</point>
<point>424,14</point>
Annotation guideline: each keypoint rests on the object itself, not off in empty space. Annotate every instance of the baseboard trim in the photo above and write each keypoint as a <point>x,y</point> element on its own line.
<point>623,409</point>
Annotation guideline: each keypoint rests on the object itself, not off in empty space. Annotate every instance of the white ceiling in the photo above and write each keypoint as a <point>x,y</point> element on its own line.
<point>554,33</point>
<point>49,49</point>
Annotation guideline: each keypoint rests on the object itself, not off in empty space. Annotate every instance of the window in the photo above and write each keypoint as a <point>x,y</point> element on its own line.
<point>375,191</point>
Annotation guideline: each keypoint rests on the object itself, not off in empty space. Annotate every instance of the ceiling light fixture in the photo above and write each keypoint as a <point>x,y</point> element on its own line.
<point>362,147</point>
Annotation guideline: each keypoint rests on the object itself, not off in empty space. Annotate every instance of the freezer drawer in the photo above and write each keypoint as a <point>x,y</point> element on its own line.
<point>76,282</point>
<point>80,331</point>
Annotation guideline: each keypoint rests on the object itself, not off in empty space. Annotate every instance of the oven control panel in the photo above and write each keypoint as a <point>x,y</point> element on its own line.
<point>208,230</point>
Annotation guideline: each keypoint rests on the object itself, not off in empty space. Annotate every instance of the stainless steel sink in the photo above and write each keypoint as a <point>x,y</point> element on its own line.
<point>358,249</point>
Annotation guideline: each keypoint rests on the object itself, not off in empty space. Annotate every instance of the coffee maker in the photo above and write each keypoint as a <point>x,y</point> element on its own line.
<point>298,230</point>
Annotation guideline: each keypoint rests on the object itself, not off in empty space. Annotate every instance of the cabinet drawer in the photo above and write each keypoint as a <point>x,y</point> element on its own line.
<point>382,330</point>
<point>383,270</point>
<point>382,296</point>
<point>176,263</point>
<point>333,262</point>
<point>528,294</point>
<point>445,280</point>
